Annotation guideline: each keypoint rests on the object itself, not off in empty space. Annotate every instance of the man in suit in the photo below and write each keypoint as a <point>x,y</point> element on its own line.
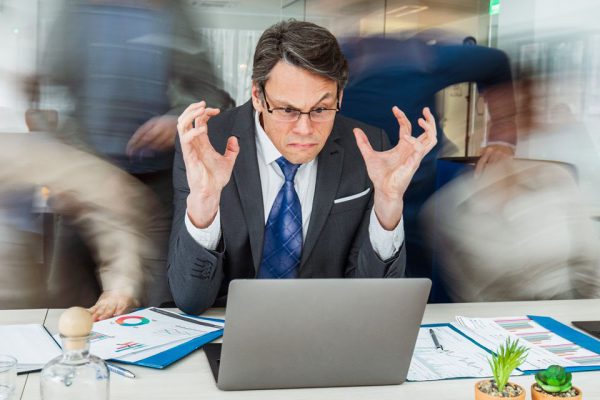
<point>129,68</point>
<point>279,187</point>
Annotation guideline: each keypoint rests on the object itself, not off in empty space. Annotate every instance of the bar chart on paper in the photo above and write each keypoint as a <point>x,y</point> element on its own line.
<point>545,347</point>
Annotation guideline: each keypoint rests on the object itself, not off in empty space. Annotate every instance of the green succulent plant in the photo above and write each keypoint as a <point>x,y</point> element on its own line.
<point>554,379</point>
<point>506,359</point>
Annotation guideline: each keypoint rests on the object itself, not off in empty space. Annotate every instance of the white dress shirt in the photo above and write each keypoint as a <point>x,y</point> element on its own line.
<point>385,243</point>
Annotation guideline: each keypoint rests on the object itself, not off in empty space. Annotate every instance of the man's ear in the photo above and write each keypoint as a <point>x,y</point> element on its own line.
<point>340,96</point>
<point>257,98</point>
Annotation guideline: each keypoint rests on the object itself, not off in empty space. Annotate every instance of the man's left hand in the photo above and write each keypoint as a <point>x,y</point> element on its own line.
<point>391,171</point>
<point>111,303</point>
<point>158,133</point>
<point>492,154</point>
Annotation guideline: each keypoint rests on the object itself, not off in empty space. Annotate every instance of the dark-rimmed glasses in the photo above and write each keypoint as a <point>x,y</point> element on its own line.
<point>289,114</point>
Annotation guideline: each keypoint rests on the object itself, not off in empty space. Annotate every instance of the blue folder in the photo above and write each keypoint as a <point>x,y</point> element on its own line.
<point>168,357</point>
<point>566,332</point>
<point>572,335</point>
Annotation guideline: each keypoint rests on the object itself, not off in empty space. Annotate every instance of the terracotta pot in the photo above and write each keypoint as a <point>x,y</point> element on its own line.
<point>535,395</point>
<point>479,395</point>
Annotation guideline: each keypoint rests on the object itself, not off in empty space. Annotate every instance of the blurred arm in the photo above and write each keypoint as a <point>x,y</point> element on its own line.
<point>107,206</point>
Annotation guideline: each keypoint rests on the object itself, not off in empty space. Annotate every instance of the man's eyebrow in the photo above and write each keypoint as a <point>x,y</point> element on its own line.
<point>324,97</point>
<point>287,104</point>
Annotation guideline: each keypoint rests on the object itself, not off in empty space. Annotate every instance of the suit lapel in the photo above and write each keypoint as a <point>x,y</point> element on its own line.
<point>329,173</point>
<point>247,180</point>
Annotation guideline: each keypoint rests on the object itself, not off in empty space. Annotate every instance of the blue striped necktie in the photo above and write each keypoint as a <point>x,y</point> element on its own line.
<point>282,247</point>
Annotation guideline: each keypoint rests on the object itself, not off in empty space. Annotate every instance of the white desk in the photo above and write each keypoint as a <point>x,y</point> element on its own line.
<point>191,378</point>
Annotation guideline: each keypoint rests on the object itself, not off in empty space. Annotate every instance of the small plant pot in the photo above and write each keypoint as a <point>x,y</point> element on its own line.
<point>479,395</point>
<point>541,395</point>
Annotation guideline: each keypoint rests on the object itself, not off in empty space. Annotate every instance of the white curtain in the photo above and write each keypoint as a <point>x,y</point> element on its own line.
<point>231,51</point>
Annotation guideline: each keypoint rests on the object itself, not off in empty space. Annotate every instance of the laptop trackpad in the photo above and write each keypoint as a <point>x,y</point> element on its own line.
<point>213,354</point>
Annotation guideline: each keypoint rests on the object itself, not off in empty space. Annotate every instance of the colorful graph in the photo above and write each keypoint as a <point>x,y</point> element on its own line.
<point>132,320</point>
<point>587,360</point>
<point>535,337</point>
<point>129,346</point>
<point>96,337</point>
<point>562,349</point>
<point>514,324</point>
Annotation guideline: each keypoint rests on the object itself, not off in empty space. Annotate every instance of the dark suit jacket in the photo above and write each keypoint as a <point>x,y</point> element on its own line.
<point>337,243</point>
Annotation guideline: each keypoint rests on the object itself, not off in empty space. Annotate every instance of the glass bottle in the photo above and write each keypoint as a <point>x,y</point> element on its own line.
<point>75,375</point>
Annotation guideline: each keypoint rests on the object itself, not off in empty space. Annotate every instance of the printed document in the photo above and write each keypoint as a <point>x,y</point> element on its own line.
<point>460,357</point>
<point>545,347</point>
<point>30,344</point>
<point>145,332</point>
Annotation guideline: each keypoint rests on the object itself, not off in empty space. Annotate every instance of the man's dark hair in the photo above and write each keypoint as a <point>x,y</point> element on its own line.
<point>302,44</point>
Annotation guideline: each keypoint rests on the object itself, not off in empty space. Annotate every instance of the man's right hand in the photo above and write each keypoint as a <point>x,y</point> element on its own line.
<point>207,170</point>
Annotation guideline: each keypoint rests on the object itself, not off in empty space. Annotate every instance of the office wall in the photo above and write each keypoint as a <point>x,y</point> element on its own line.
<point>232,28</point>
<point>18,41</point>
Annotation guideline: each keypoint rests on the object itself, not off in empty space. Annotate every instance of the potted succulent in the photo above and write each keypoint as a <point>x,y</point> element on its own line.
<point>507,358</point>
<point>554,382</point>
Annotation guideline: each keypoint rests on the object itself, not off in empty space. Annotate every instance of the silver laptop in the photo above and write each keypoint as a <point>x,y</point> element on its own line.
<point>318,333</point>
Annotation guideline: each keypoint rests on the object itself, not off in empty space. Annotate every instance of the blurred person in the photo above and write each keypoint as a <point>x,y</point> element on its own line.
<point>524,229</point>
<point>299,191</point>
<point>109,208</point>
<point>518,232</point>
<point>559,135</point>
<point>129,68</point>
<point>408,73</point>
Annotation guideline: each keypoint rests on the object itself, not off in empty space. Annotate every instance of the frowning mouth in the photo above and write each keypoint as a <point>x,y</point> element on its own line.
<point>302,146</point>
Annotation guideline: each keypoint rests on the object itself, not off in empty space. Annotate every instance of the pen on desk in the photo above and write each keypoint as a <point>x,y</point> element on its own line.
<point>120,371</point>
<point>435,340</point>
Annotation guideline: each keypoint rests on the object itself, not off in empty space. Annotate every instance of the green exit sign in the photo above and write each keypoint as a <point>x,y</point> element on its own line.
<point>494,7</point>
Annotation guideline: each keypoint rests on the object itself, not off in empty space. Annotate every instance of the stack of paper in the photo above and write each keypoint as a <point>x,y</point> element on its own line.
<point>131,338</point>
<point>459,358</point>
<point>142,334</point>
<point>467,346</point>
<point>30,344</point>
<point>546,347</point>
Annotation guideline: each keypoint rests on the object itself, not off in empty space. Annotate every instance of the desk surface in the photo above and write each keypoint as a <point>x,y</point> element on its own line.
<point>191,378</point>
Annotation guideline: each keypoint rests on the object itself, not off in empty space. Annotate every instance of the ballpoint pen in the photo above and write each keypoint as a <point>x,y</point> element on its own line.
<point>435,340</point>
<point>120,371</point>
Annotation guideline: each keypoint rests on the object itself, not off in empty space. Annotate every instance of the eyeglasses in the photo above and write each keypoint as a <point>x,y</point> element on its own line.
<point>288,114</point>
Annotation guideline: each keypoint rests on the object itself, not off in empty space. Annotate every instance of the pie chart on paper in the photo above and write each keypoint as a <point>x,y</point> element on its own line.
<point>132,320</point>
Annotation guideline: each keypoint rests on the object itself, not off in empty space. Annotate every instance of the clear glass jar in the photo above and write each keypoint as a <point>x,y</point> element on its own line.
<point>76,375</point>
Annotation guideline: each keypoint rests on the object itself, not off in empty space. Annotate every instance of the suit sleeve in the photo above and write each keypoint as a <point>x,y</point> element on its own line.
<point>363,261</point>
<point>194,272</point>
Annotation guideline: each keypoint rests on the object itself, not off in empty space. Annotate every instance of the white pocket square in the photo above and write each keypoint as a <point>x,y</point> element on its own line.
<point>354,196</point>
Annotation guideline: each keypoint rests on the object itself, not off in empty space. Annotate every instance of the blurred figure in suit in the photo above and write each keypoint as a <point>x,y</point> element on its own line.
<point>129,68</point>
<point>408,73</point>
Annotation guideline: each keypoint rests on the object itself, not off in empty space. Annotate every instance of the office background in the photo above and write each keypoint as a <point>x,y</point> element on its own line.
<point>551,36</point>
<point>553,46</point>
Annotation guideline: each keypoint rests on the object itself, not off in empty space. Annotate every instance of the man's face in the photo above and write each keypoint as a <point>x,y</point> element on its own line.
<point>297,89</point>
